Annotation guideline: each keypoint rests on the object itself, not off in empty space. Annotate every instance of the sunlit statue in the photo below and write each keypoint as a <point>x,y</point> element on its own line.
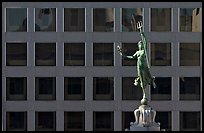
<point>144,115</point>
<point>143,69</point>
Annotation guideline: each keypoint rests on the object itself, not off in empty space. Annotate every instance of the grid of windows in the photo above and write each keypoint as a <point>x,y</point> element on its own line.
<point>70,73</point>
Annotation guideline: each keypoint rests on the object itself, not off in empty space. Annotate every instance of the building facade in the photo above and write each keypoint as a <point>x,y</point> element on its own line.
<point>61,70</point>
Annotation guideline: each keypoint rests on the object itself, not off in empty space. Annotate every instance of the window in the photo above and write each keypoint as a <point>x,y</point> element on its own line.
<point>45,121</point>
<point>45,19</point>
<point>16,19</point>
<point>74,88</point>
<point>127,17</point>
<point>190,121</point>
<point>74,54</point>
<point>45,88</point>
<point>16,54</point>
<point>103,54</point>
<point>16,121</point>
<point>130,91</point>
<point>129,49</point>
<point>45,54</point>
<point>103,88</point>
<point>103,121</point>
<point>103,19</point>
<point>161,54</point>
<point>190,19</point>
<point>127,117</point>
<point>74,19</point>
<point>163,89</point>
<point>164,118</point>
<point>74,121</point>
<point>189,88</point>
<point>189,54</point>
<point>16,88</point>
<point>160,19</point>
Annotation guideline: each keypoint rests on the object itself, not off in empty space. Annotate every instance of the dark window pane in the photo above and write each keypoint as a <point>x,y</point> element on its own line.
<point>45,121</point>
<point>74,54</point>
<point>189,54</point>
<point>161,19</point>
<point>161,54</point>
<point>45,54</point>
<point>16,121</point>
<point>127,118</point>
<point>16,19</point>
<point>190,88</point>
<point>190,19</point>
<point>127,18</point>
<point>74,121</point>
<point>164,118</point>
<point>103,121</point>
<point>74,88</point>
<point>74,19</point>
<point>45,19</point>
<point>103,88</point>
<point>130,91</point>
<point>16,54</point>
<point>103,54</point>
<point>163,89</point>
<point>190,121</point>
<point>45,88</point>
<point>103,19</point>
<point>16,88</point>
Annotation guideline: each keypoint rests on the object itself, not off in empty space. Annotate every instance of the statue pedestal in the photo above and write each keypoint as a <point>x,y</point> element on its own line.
<point>144,120</point>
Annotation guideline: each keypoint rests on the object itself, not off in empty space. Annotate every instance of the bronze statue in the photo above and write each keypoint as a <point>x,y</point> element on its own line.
<point>143,69</point>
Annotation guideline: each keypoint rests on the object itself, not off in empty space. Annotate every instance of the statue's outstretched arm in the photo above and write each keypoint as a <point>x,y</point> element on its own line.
<point>125,56</point>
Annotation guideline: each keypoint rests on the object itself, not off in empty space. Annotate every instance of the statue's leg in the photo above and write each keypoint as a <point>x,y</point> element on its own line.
<point>142,83</point>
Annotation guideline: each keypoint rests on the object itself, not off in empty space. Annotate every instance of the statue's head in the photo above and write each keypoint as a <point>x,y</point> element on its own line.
<point>140,45</point>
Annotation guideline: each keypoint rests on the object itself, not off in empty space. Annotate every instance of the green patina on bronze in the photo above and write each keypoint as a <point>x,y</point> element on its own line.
<point>143,69</point>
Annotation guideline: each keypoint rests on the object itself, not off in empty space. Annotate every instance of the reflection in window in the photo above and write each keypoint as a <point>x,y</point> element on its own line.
<point>127,17</point>
<point>103,121</point>
<point>103,88</point>
<point>74,121</point>
<point>190,19</point>
<point>45,54</point>
<point>16,19</point>
<point>45,88</point>
<point>74,19</point>
<point>127,117</point>
<point>190,121</point>
<point>103,19</point>
<point>190,88</point>
<point>16,88</point>
<point>45,19</point>
<point>164,118</point>
<point>160,19</point>
<point>16,54</point>
<point>45,121</point>
<point>161,54</point>
<point>163,89</point>
<point>129,49</point>
<point>103,54</point>
<point>189,54</point>
<point>130,91</point>
<point>16,121</point>
<point>74,54</point>
<point>74,88</point>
